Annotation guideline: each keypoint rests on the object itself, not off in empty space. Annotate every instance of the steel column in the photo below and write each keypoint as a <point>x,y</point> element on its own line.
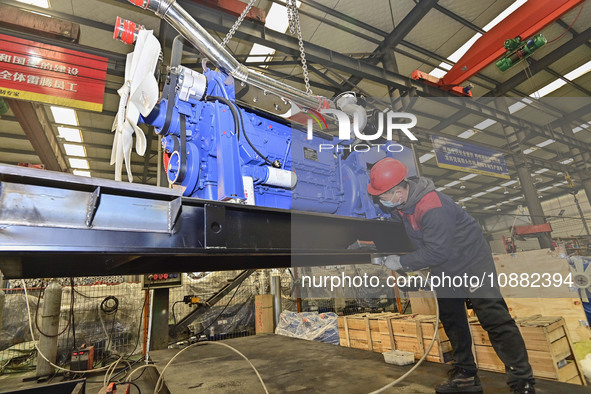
<point>581,160</point>
<point>523,173</point>
<point>159,333</point>
<point>389,63</point>
<point>276,291</point>
<point>533,203</point>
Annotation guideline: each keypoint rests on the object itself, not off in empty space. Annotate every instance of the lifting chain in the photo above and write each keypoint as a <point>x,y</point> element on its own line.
<point>294,28</point>
<point>237,23</point>
<point>293,17</point>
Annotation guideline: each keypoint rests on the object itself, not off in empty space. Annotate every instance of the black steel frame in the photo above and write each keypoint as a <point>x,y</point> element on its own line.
<point>96,233</point>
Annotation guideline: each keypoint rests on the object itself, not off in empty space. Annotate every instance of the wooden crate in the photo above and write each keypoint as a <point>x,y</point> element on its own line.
<point>542,300</point>
<point>381,332</point>
<point>413,333</point>
<point>548,346</point>
<point>362,331</point>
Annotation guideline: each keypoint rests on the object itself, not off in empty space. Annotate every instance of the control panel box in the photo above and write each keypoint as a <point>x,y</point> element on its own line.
<point>162,280</point>
<point>82,359</point>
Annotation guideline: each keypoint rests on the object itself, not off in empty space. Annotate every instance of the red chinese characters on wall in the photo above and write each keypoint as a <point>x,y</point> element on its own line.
<point>51,74</point>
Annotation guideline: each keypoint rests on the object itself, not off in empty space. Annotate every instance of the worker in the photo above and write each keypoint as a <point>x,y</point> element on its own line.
<point>510,245</point>
<point>451,243</point>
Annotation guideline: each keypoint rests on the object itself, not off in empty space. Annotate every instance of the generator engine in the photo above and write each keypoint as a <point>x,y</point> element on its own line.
<point>218,150</point>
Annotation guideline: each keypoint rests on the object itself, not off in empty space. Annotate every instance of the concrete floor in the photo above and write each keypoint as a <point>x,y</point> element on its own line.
<point>25,381</point>
<point>289,365</point>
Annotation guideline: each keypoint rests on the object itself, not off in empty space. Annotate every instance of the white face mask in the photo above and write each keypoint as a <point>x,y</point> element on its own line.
<point>390,204</point>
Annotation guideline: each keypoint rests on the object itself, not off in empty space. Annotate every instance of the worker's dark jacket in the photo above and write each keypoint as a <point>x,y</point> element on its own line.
<point>446,238</point>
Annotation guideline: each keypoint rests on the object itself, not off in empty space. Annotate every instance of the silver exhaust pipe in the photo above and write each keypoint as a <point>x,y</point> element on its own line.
<point>183,22</point>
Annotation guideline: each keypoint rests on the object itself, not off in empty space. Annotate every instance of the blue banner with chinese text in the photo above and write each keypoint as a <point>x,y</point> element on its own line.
<point>461,156</point>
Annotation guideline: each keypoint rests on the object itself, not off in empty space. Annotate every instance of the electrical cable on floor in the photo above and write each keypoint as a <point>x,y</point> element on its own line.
<point>141,367</point>
<point>136,343</point>
<point>160,382</point>
<point>136,386</point>
<point>126,358</point>
<point>139,377</point>
<point>111,371</point>
<point>435,331</point>
<point>106,367</point>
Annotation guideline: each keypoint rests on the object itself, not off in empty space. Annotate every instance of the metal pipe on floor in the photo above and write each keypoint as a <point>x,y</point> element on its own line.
<point>150,317</point>
<point>50,319</point>
<point>2,297</point>
<point>276,291</point>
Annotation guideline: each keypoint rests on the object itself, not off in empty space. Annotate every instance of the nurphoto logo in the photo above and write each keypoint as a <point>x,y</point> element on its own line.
<point>386,121</point>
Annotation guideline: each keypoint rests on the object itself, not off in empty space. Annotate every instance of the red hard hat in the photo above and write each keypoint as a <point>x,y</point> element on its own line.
<point>386,174</point>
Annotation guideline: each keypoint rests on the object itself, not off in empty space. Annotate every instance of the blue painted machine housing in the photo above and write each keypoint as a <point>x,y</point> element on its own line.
<point>332,176</point>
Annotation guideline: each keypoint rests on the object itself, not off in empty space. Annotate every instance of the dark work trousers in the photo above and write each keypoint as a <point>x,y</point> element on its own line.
<point>502,331</point>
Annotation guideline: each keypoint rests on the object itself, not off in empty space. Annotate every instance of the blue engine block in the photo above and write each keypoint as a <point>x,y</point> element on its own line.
<point>259,162</point>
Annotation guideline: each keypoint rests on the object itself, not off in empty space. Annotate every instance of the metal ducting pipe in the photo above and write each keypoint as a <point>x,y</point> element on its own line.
<point>348,104</point>
<point>52,302</point>
<point>183,22</point>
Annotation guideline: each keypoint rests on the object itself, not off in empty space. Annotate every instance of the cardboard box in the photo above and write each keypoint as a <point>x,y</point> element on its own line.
<point>264,316</point>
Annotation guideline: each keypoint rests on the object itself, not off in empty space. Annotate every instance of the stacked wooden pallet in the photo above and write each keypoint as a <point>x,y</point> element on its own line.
<point>548,346</point>
<point>364,331</point>
<point>381,332</point>
<point>546,338</point>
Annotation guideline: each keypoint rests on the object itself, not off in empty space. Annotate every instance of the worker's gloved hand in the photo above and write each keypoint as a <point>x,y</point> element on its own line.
<point>393,262</point>
<point>378,260</point>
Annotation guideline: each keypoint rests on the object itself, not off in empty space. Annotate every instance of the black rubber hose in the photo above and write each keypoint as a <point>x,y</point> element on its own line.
<point>232,109</point>
<point>238,115</point>
<point>110,305</point>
